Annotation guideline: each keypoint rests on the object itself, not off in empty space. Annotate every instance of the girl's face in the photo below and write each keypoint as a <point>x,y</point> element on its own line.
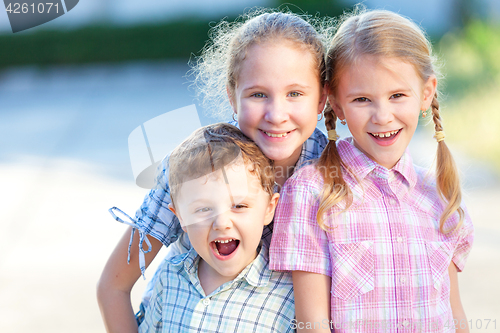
<point>381,98</point>
<point>277,98</point>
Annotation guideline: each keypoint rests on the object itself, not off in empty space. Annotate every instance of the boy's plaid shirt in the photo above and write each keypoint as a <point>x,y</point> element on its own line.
<point>257,300</point>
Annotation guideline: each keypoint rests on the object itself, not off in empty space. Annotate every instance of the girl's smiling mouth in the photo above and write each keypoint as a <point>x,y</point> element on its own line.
<point>276,135</point>
<point>385,134</point>
<point>385,138</point>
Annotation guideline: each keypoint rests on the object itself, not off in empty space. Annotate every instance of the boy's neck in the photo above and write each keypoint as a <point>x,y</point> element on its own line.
<point>210,279</point>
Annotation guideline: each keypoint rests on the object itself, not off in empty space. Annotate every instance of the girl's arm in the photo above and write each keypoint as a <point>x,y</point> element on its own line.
<point>456,304</point>
<point>117,280</point>
<point>312,301</point>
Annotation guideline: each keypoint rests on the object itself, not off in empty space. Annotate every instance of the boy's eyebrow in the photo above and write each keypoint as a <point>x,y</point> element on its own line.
<point>298,85</point>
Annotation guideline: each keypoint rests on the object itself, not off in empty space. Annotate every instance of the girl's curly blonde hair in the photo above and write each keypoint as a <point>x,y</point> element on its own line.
<point>216,70</point>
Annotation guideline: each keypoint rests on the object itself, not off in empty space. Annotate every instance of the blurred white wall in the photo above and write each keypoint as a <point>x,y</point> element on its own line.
<point>128,12</point>
<point>436,16</point>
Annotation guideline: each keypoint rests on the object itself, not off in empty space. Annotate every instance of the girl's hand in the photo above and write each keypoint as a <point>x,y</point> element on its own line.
<point>117,280</point>
<point>312,301</point>
<point>456,304</point>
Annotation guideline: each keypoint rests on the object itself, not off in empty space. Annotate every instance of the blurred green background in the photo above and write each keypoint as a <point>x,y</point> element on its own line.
<point>469,50</point>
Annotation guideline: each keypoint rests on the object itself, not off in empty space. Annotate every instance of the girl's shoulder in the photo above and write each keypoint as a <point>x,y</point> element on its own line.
<point>307,176</point>
<point>426,179</point>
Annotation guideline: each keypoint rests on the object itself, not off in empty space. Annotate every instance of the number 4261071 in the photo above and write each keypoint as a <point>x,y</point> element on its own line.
<point>24,8</point>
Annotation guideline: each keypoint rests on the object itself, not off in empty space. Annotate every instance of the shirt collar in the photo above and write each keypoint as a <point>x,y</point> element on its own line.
<point>256,273</point>
<point>361,165</point>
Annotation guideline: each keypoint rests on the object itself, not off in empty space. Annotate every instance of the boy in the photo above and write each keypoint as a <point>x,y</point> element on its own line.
<point>222,193</point>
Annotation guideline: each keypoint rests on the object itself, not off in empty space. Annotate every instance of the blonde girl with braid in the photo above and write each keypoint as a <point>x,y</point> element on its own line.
<point>374,242</point>
<point>267,72</point>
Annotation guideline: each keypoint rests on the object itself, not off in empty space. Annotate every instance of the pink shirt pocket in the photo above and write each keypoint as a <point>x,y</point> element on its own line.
<point>353,267</point>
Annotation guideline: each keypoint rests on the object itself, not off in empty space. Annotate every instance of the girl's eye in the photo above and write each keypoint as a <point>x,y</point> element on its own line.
<point>240,206</point>
<point>397,95</point>
<point>361,99</point>
<point>294,94</point>
<point>258,95</point>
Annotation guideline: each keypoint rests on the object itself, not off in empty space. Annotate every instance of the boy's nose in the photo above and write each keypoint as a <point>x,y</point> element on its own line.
<point>276,111</point>
<point>222,221</point>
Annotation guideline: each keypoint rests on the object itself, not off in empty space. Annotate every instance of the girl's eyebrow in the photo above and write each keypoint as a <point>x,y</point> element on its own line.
<point>254,87</point>
<point>359,93</point>
<point>291,86</point>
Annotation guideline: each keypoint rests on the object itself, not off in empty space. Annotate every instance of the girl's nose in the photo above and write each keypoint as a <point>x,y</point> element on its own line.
<point>382,114</point>
<point>276,111</point>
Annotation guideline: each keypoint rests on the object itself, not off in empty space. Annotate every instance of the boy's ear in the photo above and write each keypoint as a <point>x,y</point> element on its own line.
<point>172,209</point>
<point>336,107</point>
<point>428,92</point>
<point>271,208</point>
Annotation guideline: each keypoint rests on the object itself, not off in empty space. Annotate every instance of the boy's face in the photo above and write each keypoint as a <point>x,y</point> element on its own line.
<point>224,220</point>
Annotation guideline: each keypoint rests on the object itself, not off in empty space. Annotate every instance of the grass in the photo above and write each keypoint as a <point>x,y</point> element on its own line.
<point>472,110</point>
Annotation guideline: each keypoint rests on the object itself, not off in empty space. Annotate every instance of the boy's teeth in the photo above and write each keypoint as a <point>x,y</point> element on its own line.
<point>275,135</point>
<point>224,241</point>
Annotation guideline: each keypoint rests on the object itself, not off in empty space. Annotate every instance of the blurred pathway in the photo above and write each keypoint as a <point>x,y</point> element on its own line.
<point>64,162</point>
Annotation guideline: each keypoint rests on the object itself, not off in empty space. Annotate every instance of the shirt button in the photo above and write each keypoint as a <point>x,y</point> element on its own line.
<point>403,280</point>
<point>399,239</point>
<point>406,323</point>
<point>206,301</point>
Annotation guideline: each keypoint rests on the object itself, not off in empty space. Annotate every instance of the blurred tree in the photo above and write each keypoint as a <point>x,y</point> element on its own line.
<point>312,7</point>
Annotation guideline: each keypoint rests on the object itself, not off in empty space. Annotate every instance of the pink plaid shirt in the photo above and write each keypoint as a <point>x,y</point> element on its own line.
<point>386,256</point>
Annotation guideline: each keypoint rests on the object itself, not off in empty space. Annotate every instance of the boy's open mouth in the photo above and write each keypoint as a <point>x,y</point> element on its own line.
<point>226,247</point>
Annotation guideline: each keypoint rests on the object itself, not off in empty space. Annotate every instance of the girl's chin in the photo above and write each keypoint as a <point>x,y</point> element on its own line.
<point>282,156</point>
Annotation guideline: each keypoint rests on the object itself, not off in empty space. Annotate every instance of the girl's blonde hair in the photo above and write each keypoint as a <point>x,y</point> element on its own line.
<point>385,34</point>
<point>216,70</point>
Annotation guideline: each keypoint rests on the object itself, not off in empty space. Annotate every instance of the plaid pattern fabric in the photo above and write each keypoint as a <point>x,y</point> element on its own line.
<point>154,217</point>
<point>258,300</point>
<point>386,256</point>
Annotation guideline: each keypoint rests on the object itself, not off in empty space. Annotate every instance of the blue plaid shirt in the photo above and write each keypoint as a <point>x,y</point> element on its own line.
<point>154,217</point>
<point>257,300</point>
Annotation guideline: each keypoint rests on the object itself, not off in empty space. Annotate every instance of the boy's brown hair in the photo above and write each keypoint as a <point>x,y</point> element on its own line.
<point>212,147</point>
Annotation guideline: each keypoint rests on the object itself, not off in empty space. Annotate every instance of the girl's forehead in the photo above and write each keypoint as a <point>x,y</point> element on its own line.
<point>370,64</point>
<point>281,53</point>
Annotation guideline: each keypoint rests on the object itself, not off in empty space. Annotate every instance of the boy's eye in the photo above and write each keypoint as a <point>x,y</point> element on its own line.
<point>258,95</point>
<point>294,94</point>
<point>202,210</point>
<point>361,99</point>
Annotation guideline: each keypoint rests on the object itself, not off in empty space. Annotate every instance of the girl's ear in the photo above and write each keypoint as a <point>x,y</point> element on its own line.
<point>323,98</point>
<point>231,99</point>
<point>336,107</point>
<point>270,209</point>
<point>428,92</point>
<point>172,209</point>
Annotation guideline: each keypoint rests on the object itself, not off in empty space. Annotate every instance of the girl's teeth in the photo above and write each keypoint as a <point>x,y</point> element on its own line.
<point>385,135</point>
<point>272,135</point>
